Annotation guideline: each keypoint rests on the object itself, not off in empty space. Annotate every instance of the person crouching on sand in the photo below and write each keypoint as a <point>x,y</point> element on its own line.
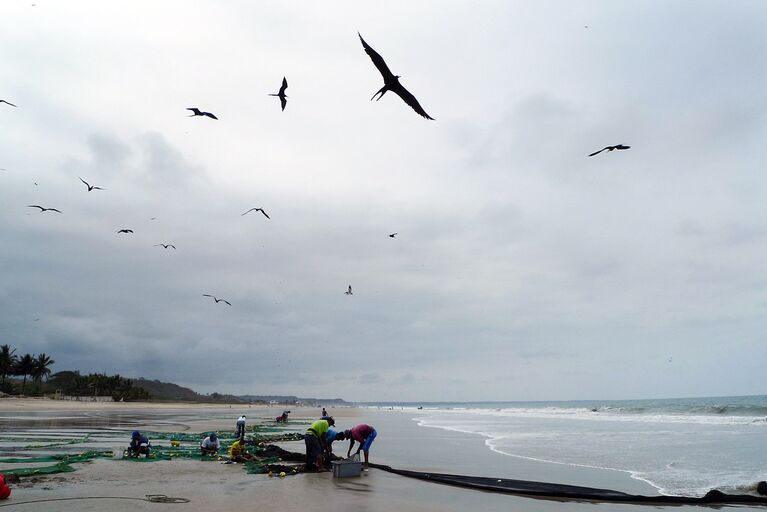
<point>316,443</point>
<point>238,452</point>
<point>210,445</point>
<point>139,445</point>
<point>364,435</point>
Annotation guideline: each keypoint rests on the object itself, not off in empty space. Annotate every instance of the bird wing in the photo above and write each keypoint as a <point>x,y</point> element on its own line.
<point>36,206</point>
<point>597,152</point>
<point>195,110</point>
<point>53,210</point>
<point>98,188</point>
<point>265,214</point>
<point>7,103</point>
<point>248,211</point>
<point>377,60</point>
<point>207,295</point>
<point>621,146</point>
<point>86,183</point>
<point>171,245</point>
<point>283,102</point>
<point>410,100</point>
<point>284,85</point>
<point>209,115</point>
<point>229,303</point>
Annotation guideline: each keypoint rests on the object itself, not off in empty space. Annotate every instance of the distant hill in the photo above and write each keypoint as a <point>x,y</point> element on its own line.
<point>291,399</point>
<point>169,391</point>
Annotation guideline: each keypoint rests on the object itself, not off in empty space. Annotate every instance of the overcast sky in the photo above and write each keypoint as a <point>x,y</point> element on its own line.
<point>522,269</point>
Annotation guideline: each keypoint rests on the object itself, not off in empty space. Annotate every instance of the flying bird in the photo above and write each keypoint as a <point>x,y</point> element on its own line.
<point>257,210</point>
<point>349,291</point>
<point>90,187</point>
<point>216,299</point>
<point>283,97</point>
<point>44,209</point>
<point>8,103</point>
<point>392,235</point>
<point>125,231</point>
<point>391,82</point>
<point>197,112</point>
<point>165,245</point>
<point>610,148</point>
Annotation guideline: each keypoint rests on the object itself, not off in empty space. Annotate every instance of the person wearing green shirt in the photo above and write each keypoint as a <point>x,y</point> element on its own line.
<point>317,443</point>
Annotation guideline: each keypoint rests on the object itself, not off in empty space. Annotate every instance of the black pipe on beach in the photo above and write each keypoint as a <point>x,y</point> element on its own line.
<point>561,492</point>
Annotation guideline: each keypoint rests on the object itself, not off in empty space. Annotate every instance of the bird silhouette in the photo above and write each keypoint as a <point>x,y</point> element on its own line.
<point>197,112</point>
<point>44,209</point>
<point>90,187</point>
<point>349,291</point>
<point>165,245</point>
<point>125,231</point>
<point>216,299</point>
<point>610,148</point>
<point>281,94</point>
<point>257,210</point>
<point>391,82</point>
<point>392,235</point>
<point>8,103</point>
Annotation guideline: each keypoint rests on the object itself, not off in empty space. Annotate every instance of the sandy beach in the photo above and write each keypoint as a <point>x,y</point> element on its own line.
<point>210,485</point>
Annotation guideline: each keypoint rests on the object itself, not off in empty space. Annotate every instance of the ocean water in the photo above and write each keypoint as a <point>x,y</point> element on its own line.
<point>679,446</point>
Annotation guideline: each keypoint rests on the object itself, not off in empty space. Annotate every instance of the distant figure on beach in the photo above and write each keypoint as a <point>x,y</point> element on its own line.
<point>238,452</point>
<point>316,443</point>
<point>239,429</point>
<point>139,445</point>
<point>283,418</point>
<point>210,445</point>
<point>364,435</point>
<point>324,413</point>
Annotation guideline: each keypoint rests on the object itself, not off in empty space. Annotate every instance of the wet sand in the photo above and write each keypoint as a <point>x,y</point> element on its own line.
<point>210,485</point>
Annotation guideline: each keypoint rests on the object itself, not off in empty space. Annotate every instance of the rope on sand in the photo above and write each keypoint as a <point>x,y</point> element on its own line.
<point>151,498</point>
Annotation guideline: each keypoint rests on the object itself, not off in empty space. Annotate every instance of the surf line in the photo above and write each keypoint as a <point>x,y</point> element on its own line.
<point>562,492</point>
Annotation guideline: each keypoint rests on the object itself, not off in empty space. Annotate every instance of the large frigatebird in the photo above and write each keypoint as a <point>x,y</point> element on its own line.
<point>198,112</point>
<point>281,94</point>
<point>44,209</point>
<point>216,299</point>
<point>391,81</point>
<point>610,148</point>
<point>90,187</point>
<point>257,210</point>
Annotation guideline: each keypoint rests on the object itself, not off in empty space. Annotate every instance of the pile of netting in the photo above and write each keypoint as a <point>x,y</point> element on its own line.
<point>61,453</point>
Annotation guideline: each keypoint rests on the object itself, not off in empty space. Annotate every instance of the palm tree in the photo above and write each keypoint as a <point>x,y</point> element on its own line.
<point>24,366</point>
<point>40,368</point>
<point>7,361</point>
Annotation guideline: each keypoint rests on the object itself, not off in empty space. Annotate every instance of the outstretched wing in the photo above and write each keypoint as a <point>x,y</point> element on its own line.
<point>36,206</point>
<point>248,211</point>
<point>196,111</point>
<point>8,103</point>
<point>53,210</point>
<point>410,100</point>
<point>621,146</point>
<point>284,102</point>
<point>209,115</point>
<point>265,214</point>
<point>597,152</point>
<point>171,245</point>
<point>284,86</point>
<point>86,183</point>
<point>377,60</point>
<point>207,295</point>
<point>227,302</point>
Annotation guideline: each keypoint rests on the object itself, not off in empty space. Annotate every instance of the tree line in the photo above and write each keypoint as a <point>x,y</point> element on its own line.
<point>68,382</point>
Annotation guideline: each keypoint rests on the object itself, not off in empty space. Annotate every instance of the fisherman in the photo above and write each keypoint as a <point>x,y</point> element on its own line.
<point>210,445</point>
<point>331,436</point>
<point>324,413</point>
<point>364,435</point>
<point>316,442</point>
<point>283,418</point>
<point>238,452</point>
<point>240,427</point>
<point>139,445</point>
